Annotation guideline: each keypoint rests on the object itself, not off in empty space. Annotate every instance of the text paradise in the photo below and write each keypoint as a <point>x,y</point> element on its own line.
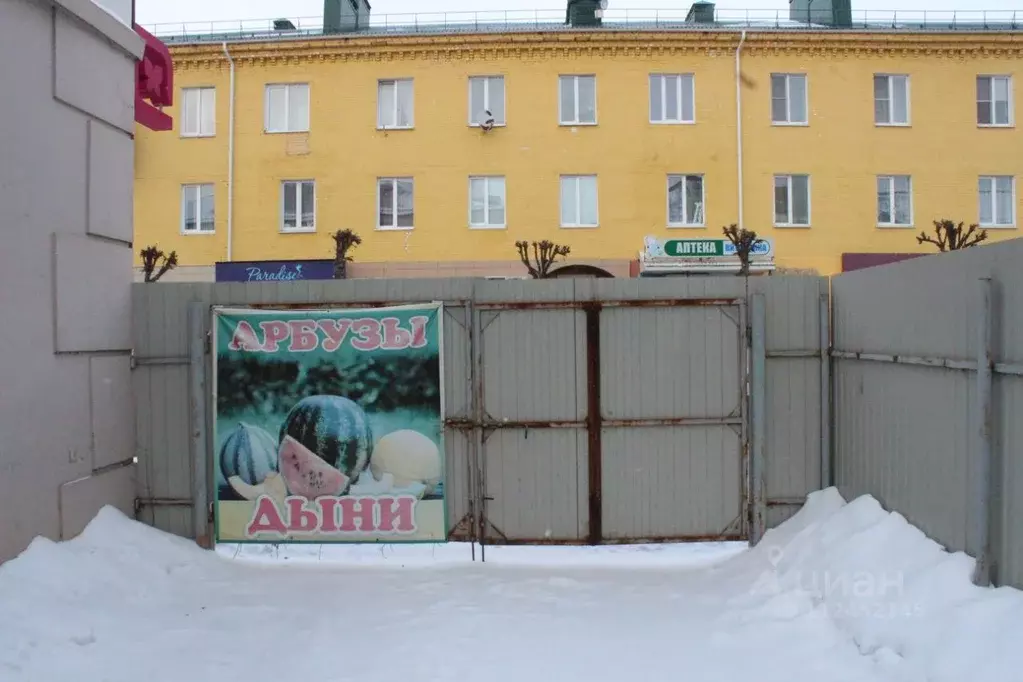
<point>296,336</point>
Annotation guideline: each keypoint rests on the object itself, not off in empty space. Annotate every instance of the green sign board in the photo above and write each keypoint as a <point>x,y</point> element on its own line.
<point>695,248</point>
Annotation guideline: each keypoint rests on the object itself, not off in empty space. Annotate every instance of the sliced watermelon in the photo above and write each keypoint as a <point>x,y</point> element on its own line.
<point>306,474</point>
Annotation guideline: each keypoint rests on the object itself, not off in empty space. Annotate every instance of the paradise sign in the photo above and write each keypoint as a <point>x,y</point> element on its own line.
<point>328,425</point>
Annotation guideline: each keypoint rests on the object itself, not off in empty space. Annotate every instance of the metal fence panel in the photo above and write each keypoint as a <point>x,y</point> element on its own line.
<point>671,482</point>
<point>534,365</point>
<point>552,340</point>
<point>907,421</point>
<point>533,478</point>
<point>670,362</point>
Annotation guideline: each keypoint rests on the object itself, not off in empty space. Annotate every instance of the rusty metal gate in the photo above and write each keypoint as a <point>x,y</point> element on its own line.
<point>609,421</point>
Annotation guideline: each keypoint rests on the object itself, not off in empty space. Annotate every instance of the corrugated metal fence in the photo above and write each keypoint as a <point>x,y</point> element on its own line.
<point>577,410</point>
<point>928,397</point>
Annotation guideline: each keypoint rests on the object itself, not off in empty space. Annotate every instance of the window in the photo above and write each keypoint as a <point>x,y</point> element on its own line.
<point>788,98</point>
<point>671,98</point>
<point>197,214</point>
<point>394,203</point>
<point>791,200</point>
<point>578,200</point>
<point>287,108</point>
<point>997,201</point>
<point>198,112</point>
<point>395,104</point>
<point>486,202</point>
<point>891,100</point>
<point>298,206</point>
<point>685,200</point>
<point>994,100</point>
<point>577,101</point>
<point>486,93</point>
<point>894,200</point>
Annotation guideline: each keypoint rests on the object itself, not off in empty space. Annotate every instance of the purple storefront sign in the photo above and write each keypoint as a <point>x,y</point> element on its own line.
<point>858,261</point>
<point>275,271</point>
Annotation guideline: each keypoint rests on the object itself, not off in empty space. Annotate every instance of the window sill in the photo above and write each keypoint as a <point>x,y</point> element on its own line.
<point>997,227</point>
<point>198,233</point>
<point>892,125</point>
<point>673,123</point>
<point>792,226</point>
<point>563,124</point>
<point>996,125</point>
<point>488,227</point>
<point>896,226</point>
<point>388,228</point>
<point>686,226</point>
<point>285,132</point>
<point>496,125</point>
<point>579,227</point>
<point>784,124</point>
<point>390,128</point>
<point>184,136</point>
<point>295,230</point>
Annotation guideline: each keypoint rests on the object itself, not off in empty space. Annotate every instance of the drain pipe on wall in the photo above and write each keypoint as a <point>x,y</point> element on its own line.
<point>738,120</point>
<point>230,158</point>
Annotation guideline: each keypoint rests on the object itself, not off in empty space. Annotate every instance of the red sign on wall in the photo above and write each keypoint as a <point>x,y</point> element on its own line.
<point>154,83</point>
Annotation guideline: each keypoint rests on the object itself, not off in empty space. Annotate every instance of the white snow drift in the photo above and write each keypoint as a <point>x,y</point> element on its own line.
<point>841,592</point>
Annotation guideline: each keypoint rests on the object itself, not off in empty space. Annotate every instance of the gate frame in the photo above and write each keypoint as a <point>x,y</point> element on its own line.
<point>480,422</point>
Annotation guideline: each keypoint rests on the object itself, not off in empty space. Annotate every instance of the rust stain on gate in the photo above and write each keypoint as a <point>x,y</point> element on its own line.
<point>593,419</point>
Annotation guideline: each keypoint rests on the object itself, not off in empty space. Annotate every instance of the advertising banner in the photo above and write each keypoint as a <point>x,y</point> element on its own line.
<point>328,425</point>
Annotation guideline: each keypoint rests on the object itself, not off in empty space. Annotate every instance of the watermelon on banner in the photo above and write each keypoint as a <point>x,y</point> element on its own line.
<point>334,428</point>
<point>249,453</point>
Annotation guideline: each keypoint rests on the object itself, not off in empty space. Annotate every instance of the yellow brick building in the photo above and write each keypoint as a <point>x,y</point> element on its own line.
<point>824,141</point>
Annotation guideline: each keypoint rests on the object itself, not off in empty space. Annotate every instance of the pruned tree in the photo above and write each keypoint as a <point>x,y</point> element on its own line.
<point>545,253</point>
<point>744,242</point>
<point>344,241</point>
<point>952,237</point>
<point>153,257</point>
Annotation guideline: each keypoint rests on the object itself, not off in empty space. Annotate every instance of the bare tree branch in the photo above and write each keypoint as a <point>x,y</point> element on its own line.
<point>744,242</point>
<point>545,254</point>
<point>952,237</point>
<point>151,256</point>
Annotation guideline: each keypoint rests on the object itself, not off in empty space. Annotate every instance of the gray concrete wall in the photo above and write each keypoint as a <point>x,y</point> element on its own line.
<point>66,169</point>
<point>907,420</point>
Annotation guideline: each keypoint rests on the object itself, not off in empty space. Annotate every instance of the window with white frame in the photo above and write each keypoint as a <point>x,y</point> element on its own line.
<point>486,201</point>
<point>672,98</point>
<point>997,194</point>
<point>578,200</point>
<point>395,103</point>
<point>394,204</point>
<point>685,200</point>
<point>287,108</point>
<point>577,100</point>
<point>198,112</point>
<point>894,200</point>
<point>792,200</point>
<point>788,98</point>
<point>197,212</point>
<point>891,100</point>
<point>994,100</point>
<point>486,94</point>
<point>298,206</point>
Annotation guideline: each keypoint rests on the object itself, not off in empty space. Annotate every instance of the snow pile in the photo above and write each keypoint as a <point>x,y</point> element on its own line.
<point>839,593</point>
<point>903,599</point>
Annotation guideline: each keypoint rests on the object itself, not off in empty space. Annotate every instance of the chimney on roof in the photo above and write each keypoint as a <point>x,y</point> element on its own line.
<point>585,12</point>
<point>345,16</point>
<point>701,13</point>
<point>834,13</point>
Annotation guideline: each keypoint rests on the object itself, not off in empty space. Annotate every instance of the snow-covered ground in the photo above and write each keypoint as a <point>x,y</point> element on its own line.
<point>841,592</point>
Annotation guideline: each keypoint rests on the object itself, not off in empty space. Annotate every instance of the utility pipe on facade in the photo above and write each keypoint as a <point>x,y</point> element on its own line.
<point>738,119</point>
<point>230,156</point>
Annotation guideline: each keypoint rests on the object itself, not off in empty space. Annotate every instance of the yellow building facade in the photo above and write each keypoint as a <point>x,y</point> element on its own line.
<point>825,143</point>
